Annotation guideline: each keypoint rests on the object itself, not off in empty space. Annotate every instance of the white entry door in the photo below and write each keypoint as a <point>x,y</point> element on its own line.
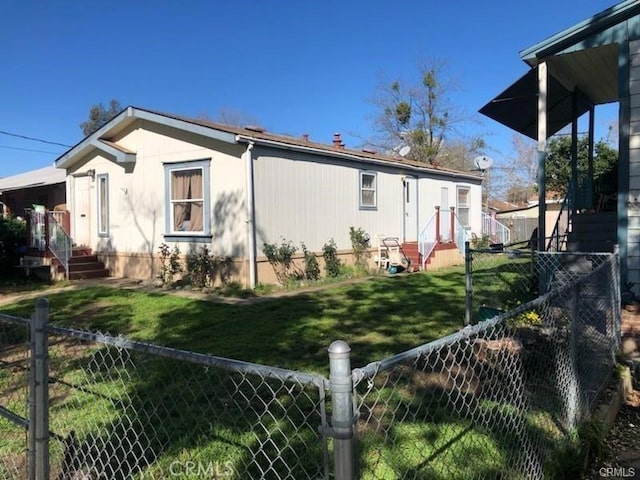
<point>82,211</point>
<point>445,215</point>
<point>410,209</point>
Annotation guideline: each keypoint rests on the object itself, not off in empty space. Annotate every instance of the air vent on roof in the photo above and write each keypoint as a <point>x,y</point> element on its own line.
<point>369,150</point>
<point>255,128</point>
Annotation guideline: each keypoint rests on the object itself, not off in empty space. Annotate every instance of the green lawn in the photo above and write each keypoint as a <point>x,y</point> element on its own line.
<point>135,409</point>
<point>377,317</point>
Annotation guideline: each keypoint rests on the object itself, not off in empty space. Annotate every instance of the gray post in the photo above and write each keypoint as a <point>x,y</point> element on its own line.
<point>39,394</point>
<point>341,385</point>
<point>617,295</point>
<point>468,284</point>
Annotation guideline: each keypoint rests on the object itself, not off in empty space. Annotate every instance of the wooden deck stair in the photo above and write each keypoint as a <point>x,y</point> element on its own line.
<point>444,255</point>
<point>84,264</point>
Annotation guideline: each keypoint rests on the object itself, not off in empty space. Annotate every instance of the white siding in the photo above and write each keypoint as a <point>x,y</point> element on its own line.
<point>137,199</point>
<point>302,200</point>
<point>430,196</point>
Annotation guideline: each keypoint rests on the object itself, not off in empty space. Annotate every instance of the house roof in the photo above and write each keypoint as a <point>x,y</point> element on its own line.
<point>583,58</point>
<point>35,178</point>
<point>101,140</point>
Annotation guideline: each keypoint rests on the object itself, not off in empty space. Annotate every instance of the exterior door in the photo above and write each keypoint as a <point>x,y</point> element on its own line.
<point>410,209</point>
<point>82,211</point>
<point>445,215</point>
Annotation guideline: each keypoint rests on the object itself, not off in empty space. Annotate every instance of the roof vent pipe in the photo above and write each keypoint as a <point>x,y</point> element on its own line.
<point>336,140</point>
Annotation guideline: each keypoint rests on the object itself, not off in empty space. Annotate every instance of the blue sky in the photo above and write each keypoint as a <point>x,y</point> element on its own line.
<point>296,66</point>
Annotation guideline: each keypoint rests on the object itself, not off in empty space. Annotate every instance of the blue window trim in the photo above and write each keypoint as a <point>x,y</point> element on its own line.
<point>169,234</point>
<point>187,238</point>
<point>102,233</point>
<point>375,190</point>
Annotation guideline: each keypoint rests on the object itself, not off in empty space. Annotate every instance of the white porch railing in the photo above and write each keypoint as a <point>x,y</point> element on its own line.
<point>462,235</point>
<point>37,229</point>
<point>60,243</point>
<point>427,240</point>
<point>496,231</point>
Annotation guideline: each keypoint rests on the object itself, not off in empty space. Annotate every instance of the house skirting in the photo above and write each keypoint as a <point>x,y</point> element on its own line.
<point>145,266</point>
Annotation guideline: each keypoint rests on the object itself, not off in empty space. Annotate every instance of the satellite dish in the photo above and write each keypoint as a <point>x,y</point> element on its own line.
<point>404,150</point>
<point>483,162</point>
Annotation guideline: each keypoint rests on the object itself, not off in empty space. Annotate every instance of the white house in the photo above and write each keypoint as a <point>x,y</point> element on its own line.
<point>147,178</point>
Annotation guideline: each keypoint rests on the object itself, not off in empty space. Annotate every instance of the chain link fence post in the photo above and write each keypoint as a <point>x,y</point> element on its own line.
<point>617,294</point>
<point>341,385</point>
<point>468,286</point>
<point>39,394</point>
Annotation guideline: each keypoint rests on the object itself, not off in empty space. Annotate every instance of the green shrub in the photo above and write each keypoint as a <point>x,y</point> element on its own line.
<point>203,268</point>
<point>170,263</point>
<point>311,266</point>
<point>332,264</point>
<point>360,245</point>
<point>281,259</point>
<point>13,234</point>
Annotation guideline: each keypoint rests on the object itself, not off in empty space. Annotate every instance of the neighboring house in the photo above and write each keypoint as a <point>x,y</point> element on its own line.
<point>522,221</point>
<point>147,178</point>
<point>592,63</point>
<point>45,186</point>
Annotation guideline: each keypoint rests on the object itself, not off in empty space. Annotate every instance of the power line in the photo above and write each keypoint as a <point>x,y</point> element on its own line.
<point>25,137</point>
<point>28,149</point>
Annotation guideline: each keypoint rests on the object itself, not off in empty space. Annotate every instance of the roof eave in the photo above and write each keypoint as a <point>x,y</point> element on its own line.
<point>578,32</point>
<point>94,141</point>
<point>347,155</point>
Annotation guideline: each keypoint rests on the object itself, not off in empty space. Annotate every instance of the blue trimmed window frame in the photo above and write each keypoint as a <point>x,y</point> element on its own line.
<point>193,237</point>
<point>102,203</point>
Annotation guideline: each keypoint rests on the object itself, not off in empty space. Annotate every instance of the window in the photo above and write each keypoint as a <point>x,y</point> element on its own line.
<point>463,206</point>
<point>103,205</point>
<point>187,192</point>
<point>368,196</point>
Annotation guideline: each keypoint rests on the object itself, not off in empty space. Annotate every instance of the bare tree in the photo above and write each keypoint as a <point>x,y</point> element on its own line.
<point>520,175</point>
<point>99,115</point>
<point>420,115</point>
<point>231,117</point>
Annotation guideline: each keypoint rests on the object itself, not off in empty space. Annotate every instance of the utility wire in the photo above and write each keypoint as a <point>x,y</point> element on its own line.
<point>27,149</point>
<point>25,137</point>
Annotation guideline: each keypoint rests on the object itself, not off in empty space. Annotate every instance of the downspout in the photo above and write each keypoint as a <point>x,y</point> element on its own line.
<point>251,216</point>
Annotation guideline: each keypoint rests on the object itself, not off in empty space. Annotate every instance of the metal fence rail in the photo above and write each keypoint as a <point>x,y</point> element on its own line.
<point>166,412</point>
<point>496,400</point>
<point>500,279</point>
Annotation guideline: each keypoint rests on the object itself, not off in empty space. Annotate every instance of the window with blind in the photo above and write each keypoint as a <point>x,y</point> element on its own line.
<point>368,190</point>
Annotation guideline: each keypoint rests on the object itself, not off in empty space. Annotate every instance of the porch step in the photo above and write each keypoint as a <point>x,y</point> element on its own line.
<point>448,255</point>
<point>593,232</point>
<point>444,255</point>
<point>410,250</point>
<point>85,266</point>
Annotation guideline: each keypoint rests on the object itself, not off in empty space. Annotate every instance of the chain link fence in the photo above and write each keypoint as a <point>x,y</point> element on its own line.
<point>500,279</point>
<point>500,399</point>
<point>120,409</point>
<point>167,413</point>
<point>14,401</point>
